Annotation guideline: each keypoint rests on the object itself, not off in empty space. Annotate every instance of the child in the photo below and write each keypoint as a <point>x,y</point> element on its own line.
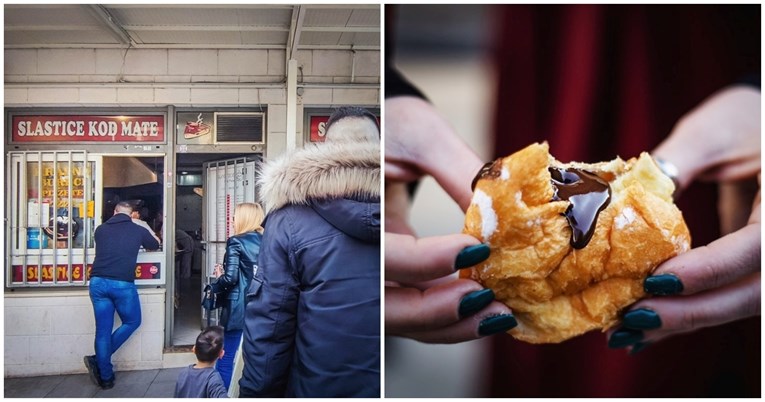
<point>201,380</point>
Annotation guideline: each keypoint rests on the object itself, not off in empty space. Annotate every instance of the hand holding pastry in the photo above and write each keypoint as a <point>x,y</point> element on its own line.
<point>423,300</point>
<point>720,282</point>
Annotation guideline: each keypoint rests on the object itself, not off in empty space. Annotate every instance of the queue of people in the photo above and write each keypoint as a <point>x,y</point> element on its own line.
<point>300,286</point>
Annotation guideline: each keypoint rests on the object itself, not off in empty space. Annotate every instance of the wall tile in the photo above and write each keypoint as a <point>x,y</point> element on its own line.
<point>192,62</point>
<point>66,61</point>
<point>243,62</point>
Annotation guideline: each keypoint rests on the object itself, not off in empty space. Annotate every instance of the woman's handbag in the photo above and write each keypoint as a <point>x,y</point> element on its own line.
<point>210,300</point>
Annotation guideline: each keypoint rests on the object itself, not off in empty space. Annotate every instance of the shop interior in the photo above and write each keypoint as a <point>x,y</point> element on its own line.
<point>139,180</point>
<point>189,206</point>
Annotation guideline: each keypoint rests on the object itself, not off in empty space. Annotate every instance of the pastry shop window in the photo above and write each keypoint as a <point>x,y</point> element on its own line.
<point>51,217</point>
<point>56,201</point>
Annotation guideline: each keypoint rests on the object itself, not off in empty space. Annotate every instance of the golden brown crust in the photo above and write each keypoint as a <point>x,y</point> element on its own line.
<point>555,291</point>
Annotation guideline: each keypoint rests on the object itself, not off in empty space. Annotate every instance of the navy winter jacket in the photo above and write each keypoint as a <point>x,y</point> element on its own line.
<point>117,243</point>
<point>239,263</point>
<point>312,319</point>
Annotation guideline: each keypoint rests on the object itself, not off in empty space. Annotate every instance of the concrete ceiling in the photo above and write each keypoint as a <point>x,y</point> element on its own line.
<point>239,26</point>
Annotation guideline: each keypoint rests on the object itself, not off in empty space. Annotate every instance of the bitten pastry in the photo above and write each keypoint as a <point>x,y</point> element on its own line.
<point>571,243</point>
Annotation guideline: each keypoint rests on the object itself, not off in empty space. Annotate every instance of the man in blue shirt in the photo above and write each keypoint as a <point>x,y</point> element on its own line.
<point>112,288</point>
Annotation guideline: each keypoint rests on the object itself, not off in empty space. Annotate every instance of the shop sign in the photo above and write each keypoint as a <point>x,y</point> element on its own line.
<point>195,128</point>
<point>143,270</point>
<point>49,174</point>
<point>318,131</point>
<point>79,128</point>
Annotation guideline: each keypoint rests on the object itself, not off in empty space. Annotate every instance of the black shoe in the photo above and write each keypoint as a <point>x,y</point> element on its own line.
<point>107,384</point>
<point>90,363</point>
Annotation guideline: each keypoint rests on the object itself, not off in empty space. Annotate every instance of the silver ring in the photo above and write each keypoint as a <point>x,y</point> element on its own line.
<point>671,171</point>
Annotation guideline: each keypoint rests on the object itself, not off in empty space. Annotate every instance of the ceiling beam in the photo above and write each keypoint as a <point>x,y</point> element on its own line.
<point>114,28</point>
<point>342,29</point>
<point>298,14</point>
<point>223,28</point>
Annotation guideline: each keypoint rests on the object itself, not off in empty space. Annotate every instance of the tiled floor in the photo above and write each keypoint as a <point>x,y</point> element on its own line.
<point>188,315</point>
<point>158,383</point>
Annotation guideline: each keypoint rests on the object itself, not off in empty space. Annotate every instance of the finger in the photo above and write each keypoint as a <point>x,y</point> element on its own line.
<point>454,171</point>
<point>494,319</point>
<point>397,209</point>
<point>681,314</point>
<point>408,259</point>
<point>411,310</point>
<point>722,262</point>
<point>433,148</point>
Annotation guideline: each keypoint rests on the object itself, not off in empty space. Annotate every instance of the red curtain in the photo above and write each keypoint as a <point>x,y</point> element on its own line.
<point>597,81</point>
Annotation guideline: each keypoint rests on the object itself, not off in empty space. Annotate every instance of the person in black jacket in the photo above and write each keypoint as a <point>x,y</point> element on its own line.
<point>112,288</point>
<point>240,265</point>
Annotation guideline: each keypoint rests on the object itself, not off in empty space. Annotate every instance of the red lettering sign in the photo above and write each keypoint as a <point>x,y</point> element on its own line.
<point>47,273</point>
<point>73,128</point>
<point>143,270</point>
<point>317,128</point>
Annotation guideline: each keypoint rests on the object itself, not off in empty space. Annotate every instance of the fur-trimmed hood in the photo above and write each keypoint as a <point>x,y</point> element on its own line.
<point>329,170</point>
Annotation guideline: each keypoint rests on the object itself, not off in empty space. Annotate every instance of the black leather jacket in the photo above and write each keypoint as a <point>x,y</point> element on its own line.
<point>239,265</point>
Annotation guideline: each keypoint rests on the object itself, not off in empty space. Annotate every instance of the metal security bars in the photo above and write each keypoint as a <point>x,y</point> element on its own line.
<point>227,183</point>
<point>51,213</point>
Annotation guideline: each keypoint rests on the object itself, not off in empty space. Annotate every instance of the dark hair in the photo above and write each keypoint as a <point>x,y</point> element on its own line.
<point>350,111</point>
<point>209,343</point>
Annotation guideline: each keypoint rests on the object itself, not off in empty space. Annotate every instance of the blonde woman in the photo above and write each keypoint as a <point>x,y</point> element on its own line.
<point>234,277</point>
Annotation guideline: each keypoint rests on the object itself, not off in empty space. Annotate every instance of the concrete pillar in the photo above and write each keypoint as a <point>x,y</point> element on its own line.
<point>291,104</point>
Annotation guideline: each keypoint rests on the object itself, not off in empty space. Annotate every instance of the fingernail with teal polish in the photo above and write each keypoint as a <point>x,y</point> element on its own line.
<point>639,347</point>
<point>642,318</point>
<point>471,255</point>
<point>624,337</point>
<point>473,302</point>
<point>497,324</point>
<point>663,285</point>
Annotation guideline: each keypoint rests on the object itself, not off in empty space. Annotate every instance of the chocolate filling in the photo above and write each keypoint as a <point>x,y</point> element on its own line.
<point>489,169</point>
<point>587,193</point>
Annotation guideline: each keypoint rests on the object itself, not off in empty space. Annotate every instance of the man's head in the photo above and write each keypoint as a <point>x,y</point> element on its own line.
<point>352,124</point>
<point>209,344</point>
<point>123,207</point>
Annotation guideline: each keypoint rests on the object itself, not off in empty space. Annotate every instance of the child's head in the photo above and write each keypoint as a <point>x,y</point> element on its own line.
<point>209,345</point>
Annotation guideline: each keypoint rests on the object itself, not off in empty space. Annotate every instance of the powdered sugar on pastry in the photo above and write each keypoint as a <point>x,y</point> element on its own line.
<point>488,216</point>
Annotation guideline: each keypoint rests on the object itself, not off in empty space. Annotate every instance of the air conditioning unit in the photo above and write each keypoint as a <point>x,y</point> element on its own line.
<point>240,127</point>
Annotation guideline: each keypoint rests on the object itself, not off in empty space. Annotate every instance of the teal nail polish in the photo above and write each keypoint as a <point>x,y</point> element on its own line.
<point>663,285</point>
<point>473,302</point>
<point>642,319</point>
<point>471,255</point>
<point>497,324</point>
<point>636,348</point>
<point>624,337</point>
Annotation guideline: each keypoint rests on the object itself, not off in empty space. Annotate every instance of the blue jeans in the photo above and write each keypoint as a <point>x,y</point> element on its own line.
<point>108,296</point>
<point>225,364</point>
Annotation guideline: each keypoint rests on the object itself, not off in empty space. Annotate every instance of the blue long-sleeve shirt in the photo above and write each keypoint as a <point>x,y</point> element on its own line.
<point>117,243</point>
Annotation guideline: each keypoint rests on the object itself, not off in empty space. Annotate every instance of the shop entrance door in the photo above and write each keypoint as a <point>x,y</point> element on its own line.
<point>226,183</point>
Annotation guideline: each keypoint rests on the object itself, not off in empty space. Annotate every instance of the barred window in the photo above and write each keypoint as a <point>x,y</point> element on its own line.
<point>54,202</point>
<point>51,217</point>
